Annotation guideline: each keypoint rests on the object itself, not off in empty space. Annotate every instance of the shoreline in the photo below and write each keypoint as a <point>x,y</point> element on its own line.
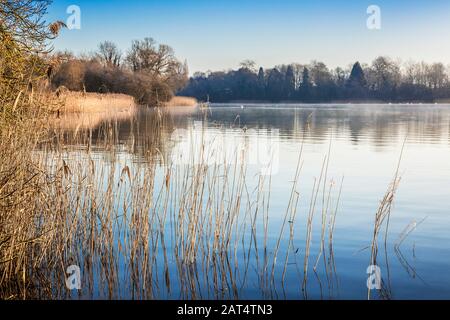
<point>88,110</point>
<point>80,102</point>
<point>356,102</point>
<point>181,101</point>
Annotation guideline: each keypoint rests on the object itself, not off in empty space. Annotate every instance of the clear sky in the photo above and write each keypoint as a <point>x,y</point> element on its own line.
<point>218,34</point>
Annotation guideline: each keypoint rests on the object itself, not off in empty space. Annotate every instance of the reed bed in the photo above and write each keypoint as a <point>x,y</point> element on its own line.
<point>179,101</point>
<point>86,102</point>
<point>148,227</point>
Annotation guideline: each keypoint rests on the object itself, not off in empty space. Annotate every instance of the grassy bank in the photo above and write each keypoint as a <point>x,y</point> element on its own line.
<point>182,102</point>
<point>79,102</point>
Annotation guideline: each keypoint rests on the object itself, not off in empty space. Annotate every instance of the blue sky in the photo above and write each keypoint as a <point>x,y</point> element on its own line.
<point>218,34</point>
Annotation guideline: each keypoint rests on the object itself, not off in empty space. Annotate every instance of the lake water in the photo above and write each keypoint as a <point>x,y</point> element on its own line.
<point>353,147</point>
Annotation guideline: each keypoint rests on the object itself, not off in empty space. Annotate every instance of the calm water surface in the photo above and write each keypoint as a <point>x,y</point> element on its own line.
<point>365,143</point>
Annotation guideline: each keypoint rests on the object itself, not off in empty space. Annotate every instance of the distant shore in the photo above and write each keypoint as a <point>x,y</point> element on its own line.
<point>96,106</point>
<point>442,101</point>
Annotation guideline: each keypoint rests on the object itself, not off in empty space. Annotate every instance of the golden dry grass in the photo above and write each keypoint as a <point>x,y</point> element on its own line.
<point>79,102</point>
<point>182,102</point>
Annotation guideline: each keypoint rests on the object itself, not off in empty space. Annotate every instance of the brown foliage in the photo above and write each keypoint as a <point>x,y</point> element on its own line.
<point>92,76</point>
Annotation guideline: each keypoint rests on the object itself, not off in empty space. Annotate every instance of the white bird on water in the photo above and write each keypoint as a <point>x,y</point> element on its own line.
<point>242,107</point>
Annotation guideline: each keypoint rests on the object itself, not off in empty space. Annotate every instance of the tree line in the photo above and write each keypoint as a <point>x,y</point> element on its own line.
<point>148,71</point>
<point>383,80</point>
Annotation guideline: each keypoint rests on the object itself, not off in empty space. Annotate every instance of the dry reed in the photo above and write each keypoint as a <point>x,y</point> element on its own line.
<point>81,102</point>
<point>178,101</point>
<point>154,229</point>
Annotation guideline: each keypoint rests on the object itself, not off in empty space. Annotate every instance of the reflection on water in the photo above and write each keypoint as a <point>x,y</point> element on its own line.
<point>283,258</point>
<point>377,125</point>
<point>90,120</point>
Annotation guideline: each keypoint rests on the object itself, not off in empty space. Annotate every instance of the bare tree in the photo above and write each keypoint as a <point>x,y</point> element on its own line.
<point>178,77</point>
<point>417,73</point>
<point>340,76</point>
<point>109,54</point>
<point>386,73</point>
<point>437,75</point>
<point>249,65</point>
<point>320,75</point>
<point>149,57</point>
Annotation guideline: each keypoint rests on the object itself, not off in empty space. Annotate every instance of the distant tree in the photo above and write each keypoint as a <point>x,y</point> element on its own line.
<point>298,72</point>
<point>357,78</point>
<point>56,60</point>
<point>245,84</point>
<point>198,75</point>
<point>261,86</point>
<point>153,76</point>
<point>320,75</point>
<point>275,88</point>
<point>149,57</point>
<point>356,84</point>
<point>186,67</point>
<point>63,56</point>
<point>306,80</point>
<point>197,86</point>
<point>70,74</point>
<point>340,77</point>
<point>322,79</point>
<point>179,76</point>
<point>305,86</point>
<point>249,65</point>
<point>109,54</point>
<point>414,92</point>
<point>417,73</point>
<point>289,83</point>
<point>386,77</point>
<point>437,76</point>
<point>410,73</point>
